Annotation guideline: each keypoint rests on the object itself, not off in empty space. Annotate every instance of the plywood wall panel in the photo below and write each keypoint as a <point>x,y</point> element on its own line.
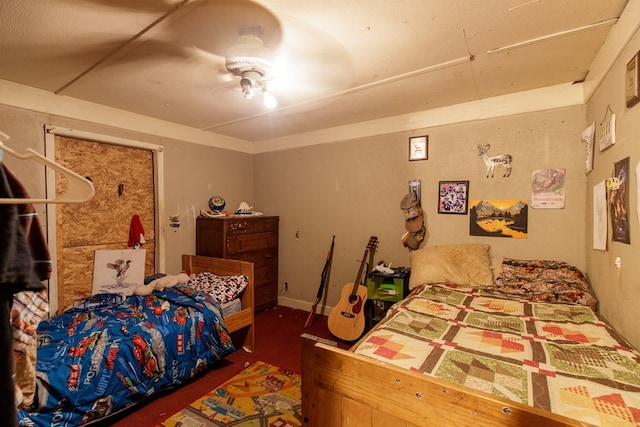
<point>76,278</point>
<point>123,179</point>
<point>123,182</point>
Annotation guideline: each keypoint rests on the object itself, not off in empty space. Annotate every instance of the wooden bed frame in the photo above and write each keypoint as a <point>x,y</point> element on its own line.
<point>341,388</point>
<point>241,324</point>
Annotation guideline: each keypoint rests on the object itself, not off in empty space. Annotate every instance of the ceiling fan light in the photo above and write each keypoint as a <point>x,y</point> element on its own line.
<point>269,100</point>
<point>246,84</point>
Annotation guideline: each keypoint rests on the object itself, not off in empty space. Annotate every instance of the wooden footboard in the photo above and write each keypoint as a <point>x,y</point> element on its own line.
<point>240,324</point>
<point>340,388</point>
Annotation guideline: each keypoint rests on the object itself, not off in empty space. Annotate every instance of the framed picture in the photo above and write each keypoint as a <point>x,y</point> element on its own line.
<point>419,147</point>
<point>453,197</point>
<point>632,95</point>
<point>118,270</point>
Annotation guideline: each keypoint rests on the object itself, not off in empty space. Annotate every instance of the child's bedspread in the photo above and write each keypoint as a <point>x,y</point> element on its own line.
<point>557,357</point>
<point>94,363</point>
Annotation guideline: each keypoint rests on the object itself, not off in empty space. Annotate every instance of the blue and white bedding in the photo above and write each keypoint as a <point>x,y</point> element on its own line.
<point>91,364</point>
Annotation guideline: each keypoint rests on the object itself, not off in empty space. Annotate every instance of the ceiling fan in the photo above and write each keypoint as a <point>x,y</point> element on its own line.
<point>252,62</point>
<point>264,53</point>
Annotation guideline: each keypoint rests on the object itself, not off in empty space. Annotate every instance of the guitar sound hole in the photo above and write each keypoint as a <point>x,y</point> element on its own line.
<point>353,299</point>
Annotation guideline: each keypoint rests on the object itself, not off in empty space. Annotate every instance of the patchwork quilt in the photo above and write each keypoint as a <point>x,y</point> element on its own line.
<point>558,357</point>
<point>91,364</point>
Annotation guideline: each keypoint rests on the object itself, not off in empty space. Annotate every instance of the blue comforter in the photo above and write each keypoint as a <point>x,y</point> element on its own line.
<point>92,364</point>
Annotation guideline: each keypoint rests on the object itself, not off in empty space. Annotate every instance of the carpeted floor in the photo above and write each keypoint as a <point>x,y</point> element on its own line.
<point>278,342</point>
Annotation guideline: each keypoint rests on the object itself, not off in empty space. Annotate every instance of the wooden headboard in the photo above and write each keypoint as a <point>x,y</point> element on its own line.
<point>240,324</point>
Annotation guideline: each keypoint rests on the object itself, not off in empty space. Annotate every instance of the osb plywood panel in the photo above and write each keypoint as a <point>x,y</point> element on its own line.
<point>123,180</point>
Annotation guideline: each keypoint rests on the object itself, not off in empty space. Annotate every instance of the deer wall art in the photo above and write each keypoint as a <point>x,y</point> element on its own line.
<point>503,160</point>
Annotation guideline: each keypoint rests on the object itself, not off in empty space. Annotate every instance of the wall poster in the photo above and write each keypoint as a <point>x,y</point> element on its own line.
<point>600,216</point>
<point>587,138</point>
<point>499,218</point>
<point>547,188</point>
<point>619,202</point>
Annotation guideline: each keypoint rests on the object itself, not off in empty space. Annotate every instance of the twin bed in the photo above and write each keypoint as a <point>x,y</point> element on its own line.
<point>479,342</point>
<point>94,363</point>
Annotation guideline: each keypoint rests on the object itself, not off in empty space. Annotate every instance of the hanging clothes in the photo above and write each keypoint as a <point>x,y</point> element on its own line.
<point>136,232</point>
<point>34,236</point>
<point>21,276</point>
<point>17,271</point>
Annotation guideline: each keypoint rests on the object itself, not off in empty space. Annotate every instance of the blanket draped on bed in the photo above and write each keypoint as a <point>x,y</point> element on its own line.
<point>557,357</point>
<point>94,363</point>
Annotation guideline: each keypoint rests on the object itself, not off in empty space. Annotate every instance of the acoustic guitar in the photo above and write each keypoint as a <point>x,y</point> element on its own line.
<point>346,321</point>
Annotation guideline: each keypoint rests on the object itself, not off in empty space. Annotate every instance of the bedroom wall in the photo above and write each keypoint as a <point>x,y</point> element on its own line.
<point>618,289</point>
<point>352,189</point>
<point>192,172</point>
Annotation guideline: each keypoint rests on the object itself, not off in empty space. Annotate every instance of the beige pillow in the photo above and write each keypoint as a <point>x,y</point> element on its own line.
<point>462,264</point>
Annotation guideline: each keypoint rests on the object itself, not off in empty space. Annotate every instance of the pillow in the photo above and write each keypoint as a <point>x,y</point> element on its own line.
<point>463,264</point>
<point>221,288</point>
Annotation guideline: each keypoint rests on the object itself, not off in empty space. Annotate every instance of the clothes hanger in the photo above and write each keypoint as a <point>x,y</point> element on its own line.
<point>79,190</point>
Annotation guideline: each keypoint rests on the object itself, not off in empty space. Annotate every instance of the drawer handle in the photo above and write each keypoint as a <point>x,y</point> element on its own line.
<point>238,226</point>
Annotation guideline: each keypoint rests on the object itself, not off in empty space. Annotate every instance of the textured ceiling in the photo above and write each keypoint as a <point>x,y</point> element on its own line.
<point>338,61</point>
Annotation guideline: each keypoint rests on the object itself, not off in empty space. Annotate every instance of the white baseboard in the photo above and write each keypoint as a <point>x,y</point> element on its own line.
<point>303,305</point>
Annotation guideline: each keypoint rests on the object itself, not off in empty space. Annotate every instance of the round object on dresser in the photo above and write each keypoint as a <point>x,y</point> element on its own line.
<point>217,203</point>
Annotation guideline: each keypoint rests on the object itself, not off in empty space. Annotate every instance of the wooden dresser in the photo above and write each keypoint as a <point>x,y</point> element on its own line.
<point>247,238</point>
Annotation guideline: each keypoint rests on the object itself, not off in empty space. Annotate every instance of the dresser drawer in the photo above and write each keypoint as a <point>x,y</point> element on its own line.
<point>266,274</point>
<point>259,258</point>
<point>251,242</point>
<point>266,296</point>
<point>244,226</point>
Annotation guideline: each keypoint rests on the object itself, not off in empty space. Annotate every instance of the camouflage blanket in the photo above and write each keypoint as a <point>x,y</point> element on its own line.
<point>537,280</point>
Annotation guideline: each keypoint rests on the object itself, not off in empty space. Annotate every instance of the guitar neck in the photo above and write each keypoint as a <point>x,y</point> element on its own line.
<point>354,291</point>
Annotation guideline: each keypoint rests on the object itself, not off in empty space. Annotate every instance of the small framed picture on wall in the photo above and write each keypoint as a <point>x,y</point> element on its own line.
<point>453,197</point>
<point>418,148</point>
<point>632,95</point>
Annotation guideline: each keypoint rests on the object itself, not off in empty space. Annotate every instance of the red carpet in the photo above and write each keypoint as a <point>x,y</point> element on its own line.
<point>278,342</point>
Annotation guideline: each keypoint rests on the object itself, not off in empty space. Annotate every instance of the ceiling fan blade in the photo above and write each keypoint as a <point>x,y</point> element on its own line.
<point>310,64</point>
<point>135,5</point>
<point>214,26</point>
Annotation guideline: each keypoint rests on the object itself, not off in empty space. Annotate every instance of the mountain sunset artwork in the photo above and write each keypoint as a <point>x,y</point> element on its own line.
<point>499,218</point>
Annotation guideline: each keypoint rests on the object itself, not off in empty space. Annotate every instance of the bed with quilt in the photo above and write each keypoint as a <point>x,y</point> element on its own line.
<point>95,361</point>
<point>476,343</point>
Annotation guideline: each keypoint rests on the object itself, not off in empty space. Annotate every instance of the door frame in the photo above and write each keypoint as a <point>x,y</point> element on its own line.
<point>50,132</point>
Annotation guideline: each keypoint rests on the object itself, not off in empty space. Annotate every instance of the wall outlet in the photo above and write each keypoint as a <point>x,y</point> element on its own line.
<point>286,286</point>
